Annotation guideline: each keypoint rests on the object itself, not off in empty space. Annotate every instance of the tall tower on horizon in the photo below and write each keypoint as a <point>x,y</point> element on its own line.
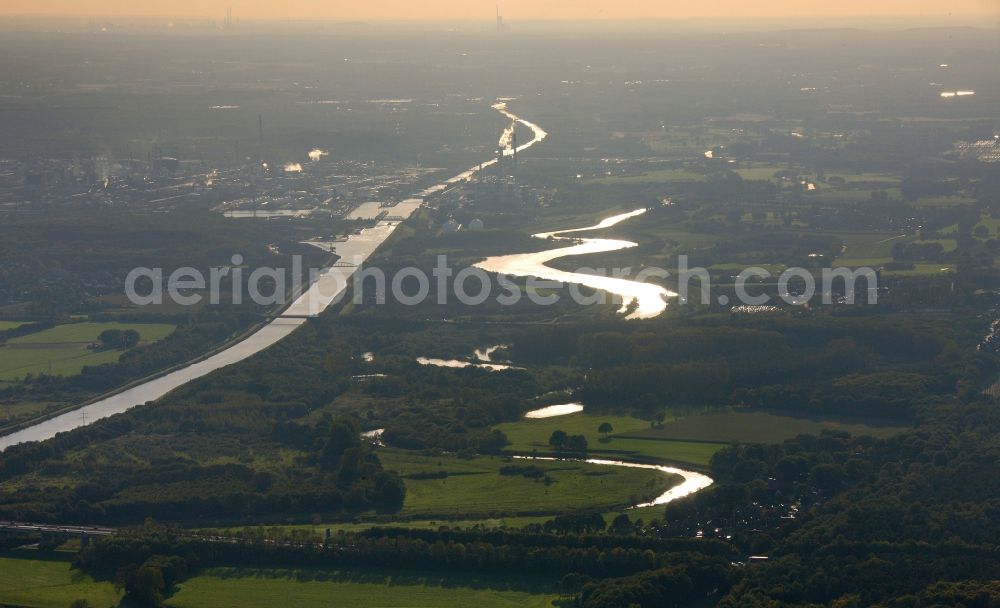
<point>499,20</point>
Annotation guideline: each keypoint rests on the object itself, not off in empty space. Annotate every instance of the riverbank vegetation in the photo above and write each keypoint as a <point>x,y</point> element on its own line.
<point>703,363</point>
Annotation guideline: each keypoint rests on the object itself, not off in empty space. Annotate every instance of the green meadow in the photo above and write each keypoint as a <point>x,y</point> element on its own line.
<point>690,440</point>
<point>868,248</point>
<point>63,350</point>
<point>660,176</point>
<point>246,588</point>
<point>533,435</point>
<point>757,427</point>
<point>28,579</point>
<point>450,487</point>
<point>47,581</point>
<point>923,269</point>
<point>88,332</point>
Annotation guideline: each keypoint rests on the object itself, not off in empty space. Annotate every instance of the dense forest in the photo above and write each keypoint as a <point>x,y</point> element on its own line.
<point>906,521</point>
<point>825,365</point>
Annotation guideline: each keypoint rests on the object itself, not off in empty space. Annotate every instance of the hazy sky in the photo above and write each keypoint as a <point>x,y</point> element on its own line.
<point>512,9</point>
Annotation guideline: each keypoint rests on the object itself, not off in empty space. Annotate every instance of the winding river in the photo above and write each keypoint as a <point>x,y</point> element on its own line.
<point>649,300</point>
<point>552,411</point>
<point>321,293</point>
<point>692,483</point>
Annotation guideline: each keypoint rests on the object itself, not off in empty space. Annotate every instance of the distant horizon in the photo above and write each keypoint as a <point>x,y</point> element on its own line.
<point>482,10</point>
<point>988,22</point>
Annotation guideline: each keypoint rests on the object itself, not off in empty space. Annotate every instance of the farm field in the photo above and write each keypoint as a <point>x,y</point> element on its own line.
<point>674,238</point>
<point>531,435</point>
<point>62,350</point>
<point>857,194</point>
<point>926,269</point>
<point>868,178</point>
<point>319,529</point>
<point>5,325</point>
<point>16,363</point>
<point>868,248</point>
<point>756,427</point>
<point>663,175</point>
<point>759,172</point>
<point>244,588</point>
<point>88,332</point>
<point>449,487</point>
<point>46,581</point>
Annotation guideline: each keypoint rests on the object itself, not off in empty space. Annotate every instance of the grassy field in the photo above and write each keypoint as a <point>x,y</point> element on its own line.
<point>868,248</point>
<point>851,195</point>
<point>688,440</point>
<point>46,581</point>
<point>29,579</point>
<point>755,427</point>
<point>221,588</point>
<point>516,521</point>
<point>474,488</point>
<point>5,325</point>
<point>735,269</point>
<point>62,350</point>
<point>16,363</point>
<point>664,175</point>
<point>946,244</point>
<point>529,435</point>
<point>925,269</point>
<point>86,333</point>
<point>762,172</point>
<point>868,178</point>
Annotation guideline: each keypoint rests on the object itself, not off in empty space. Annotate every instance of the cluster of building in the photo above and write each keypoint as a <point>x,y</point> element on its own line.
<point>983,150</point>
<point>161,182</point>
<point>452,226</point>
